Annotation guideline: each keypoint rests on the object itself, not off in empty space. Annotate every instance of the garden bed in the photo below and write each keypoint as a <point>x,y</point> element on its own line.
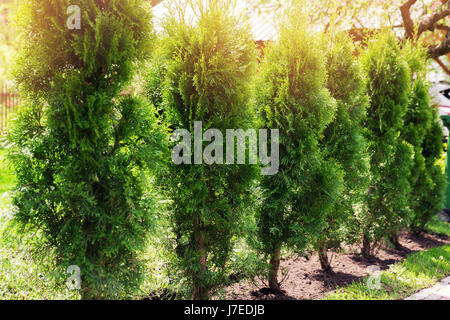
<point>305,279</point>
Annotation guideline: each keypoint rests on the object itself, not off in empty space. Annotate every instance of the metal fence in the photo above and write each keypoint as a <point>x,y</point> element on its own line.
<point>9,103</point>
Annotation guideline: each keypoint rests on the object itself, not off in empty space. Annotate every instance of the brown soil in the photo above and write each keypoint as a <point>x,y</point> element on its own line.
<point>305,280</point>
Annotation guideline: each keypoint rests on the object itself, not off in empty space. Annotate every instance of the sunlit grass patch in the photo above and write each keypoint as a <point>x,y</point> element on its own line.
<point>7,178</point>
<point>420,270</point>
<point>437,226</point>
<point>24,274</point>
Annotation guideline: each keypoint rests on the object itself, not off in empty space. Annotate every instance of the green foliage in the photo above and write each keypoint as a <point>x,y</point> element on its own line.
<point>113,34</point>
<point>27,273</point>
<point>431,188</point>
<point>421,131</point>
<point>205,72</point>
<point>389,83</point>
<point>81,150</point>
<point>344,141</point>
<point>87,156</point>
<point>291,96</point>
<point>155,73</point>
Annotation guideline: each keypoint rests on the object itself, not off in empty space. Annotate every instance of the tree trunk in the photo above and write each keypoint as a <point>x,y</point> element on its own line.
<point>87,294</point>
<point>200,290</point>
<point>275,266</point>
<point>395,241</point>
<point>366,247</point>
<point>200,293</point>
<point>416,231</point>
<point>323,257</point>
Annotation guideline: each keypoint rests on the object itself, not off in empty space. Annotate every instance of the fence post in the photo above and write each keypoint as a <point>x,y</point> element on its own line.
<point>9,103</point>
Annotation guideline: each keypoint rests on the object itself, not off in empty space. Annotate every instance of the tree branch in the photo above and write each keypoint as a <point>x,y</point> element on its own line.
<point>443,66</point>
<point>360,34</point>
<point>429,23</point>
<point>407,21</point>
<point>442,27</point>
<point>441,49</point>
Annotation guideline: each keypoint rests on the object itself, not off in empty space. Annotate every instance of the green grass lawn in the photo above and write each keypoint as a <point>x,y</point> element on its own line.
<point>437,226</point>
<point>7,180</point>
<point>6,176</point>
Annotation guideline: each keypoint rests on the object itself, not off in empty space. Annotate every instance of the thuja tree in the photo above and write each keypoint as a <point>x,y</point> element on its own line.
<point>80,148</point>
<point>291,96</point>
<point>431,202</point>
<point>389,86</point>
<point>423,132</point>
<point>206,80</point>
<point>344,142</point>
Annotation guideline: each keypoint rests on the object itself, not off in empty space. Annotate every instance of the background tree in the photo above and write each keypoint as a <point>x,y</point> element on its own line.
<point>8,9</point>
<point>344,142</point>
<point>292,96</point>
<point>389,83</point>
<point>79,148</point>
<point>207,78</point>
<point>427,20</point>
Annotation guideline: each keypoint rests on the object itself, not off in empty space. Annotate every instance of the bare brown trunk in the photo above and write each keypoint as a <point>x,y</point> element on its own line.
<point>84,294</point>
<point>416,231</point>
<point>200,290</point>
<point>87,294</point>
<point>366,250</point>
<point>323,257</point>
<point>275,266</point>
<point>395,241</point>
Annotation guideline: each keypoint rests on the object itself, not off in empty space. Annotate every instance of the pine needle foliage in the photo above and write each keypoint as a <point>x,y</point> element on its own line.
<point>422,131</point>
<point>207,77</point>
<point>291,95</point>
<point>81,149</point>
<point>389,87</point>
<point>344,142</point>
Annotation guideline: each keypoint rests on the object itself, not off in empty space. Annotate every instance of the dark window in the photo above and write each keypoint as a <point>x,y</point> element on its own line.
<point>446,93</point>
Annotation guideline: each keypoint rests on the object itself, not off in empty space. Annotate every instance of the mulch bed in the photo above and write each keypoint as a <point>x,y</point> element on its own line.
<point>305,279</point>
